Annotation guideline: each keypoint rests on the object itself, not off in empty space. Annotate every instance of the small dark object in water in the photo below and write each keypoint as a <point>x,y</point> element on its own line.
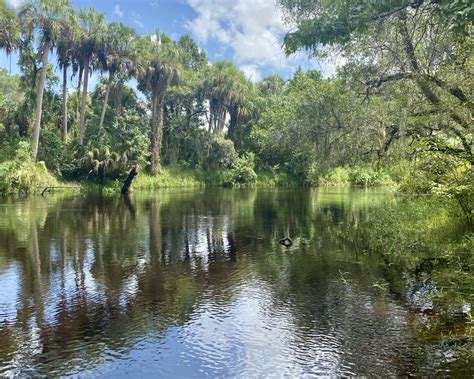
<point>287,242</point>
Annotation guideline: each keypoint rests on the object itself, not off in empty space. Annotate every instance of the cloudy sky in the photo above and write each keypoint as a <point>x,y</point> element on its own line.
<point>247,32</point>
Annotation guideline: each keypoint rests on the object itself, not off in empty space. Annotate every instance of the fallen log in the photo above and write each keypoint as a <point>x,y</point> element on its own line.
<point>56,187</point>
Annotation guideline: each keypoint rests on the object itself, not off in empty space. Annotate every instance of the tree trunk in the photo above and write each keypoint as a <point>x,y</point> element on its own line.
<point>65,103</point>
<point>232,123</point>
<point>78,93</point>
<point>211,122</point>
<point>82,123</point>
<point>156,131</point>
<point>221,124</point>
<point>39,101</point>
<point>107,92</point>
<point>128,182</point>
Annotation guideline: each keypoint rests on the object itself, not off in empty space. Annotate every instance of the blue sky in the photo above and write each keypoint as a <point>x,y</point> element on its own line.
<point>246,32</point>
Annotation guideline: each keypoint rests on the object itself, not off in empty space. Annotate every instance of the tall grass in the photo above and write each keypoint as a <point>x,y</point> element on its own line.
<point>170,177</point>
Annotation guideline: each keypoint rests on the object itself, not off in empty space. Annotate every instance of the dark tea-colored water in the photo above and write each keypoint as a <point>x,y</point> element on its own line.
<point>194,283</point>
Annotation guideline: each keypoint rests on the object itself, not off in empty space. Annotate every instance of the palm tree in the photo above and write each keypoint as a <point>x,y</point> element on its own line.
<point>222,88</point>
<point>45,16</point>
<point>159,67</point>
<point>272,85</point>
<point>119,57</point>
<point>242,105</point>
<point>9,28</point>
<point>90,51</point>
<point>65,52</point>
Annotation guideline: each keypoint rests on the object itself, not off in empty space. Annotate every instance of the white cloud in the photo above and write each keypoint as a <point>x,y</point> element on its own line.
<point>137,20</point>
<point>118,11</point>
<point>253,29</point>
<point>251,72</point>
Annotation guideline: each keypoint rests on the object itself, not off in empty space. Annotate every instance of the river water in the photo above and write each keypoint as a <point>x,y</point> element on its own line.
<point>194,283</point>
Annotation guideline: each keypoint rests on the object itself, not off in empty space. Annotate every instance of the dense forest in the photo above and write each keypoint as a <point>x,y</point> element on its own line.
<point>398,112</point>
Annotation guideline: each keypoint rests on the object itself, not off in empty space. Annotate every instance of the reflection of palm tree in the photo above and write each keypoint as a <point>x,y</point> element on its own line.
<point>155,237</point>
<point>37,284</point>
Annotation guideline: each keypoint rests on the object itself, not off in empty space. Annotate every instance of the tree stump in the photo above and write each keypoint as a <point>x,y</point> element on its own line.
<point>128,182</point>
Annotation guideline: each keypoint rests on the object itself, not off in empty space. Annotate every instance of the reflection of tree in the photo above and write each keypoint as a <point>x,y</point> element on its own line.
<point>97,273</point>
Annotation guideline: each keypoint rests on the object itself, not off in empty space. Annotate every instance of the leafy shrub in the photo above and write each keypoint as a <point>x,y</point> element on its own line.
<point>22,175</point>
<point>369,176</point>
<point>103,164</point>
<point>338,176</point>
<point>51,150</point>
<point>242,172</point>
<point>222,153</point>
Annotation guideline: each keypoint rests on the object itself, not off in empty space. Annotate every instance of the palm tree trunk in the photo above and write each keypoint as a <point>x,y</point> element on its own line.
<point>233,123</point>
<point>39,101</point>
<point>156,132</point>
<point>104,107</point>
<point>211,122</point>
<point>221,123</point>
<point>82,123</point>
<point>78,93</point>
<point>65,103</point>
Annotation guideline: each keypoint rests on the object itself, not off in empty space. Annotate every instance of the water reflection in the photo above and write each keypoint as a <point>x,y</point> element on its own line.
<point>194,283</point>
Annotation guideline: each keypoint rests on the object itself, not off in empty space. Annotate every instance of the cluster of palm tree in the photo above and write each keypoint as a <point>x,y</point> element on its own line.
<point>83,42</point>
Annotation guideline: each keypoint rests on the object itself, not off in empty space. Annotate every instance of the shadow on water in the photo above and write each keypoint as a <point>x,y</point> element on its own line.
<point>191,283</point>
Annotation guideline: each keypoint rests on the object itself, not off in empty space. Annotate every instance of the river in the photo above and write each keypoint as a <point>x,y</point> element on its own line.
<point>193,283</point>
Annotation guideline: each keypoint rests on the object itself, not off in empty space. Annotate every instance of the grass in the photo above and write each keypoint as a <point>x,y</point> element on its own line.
<point>170,177</point>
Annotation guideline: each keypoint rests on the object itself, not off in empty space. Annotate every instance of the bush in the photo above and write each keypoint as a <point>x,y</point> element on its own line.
<point>51,150</point>
<point>103,164</point>
<point>222,153</point>
<point>22,175</point>
<point>338,176</point>
<point>242,172</point>
<point>368,176</point>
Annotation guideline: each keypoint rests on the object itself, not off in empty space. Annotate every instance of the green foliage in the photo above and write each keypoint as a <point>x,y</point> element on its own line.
<point>222,153</point>
<point>51,150</point>
<point>169,177</point>
<point>420,235</point>
<point>127,133</point>
<point>242,172</point>
<point>103,164</point>
<point>22,175</point>
<point>338,176</point>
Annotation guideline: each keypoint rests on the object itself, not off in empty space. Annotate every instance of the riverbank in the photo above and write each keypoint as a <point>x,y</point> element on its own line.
<point>22,176</point>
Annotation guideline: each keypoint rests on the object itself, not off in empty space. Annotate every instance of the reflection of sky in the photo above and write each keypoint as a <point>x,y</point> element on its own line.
<point>239,339</point>
<point>10,285</point>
